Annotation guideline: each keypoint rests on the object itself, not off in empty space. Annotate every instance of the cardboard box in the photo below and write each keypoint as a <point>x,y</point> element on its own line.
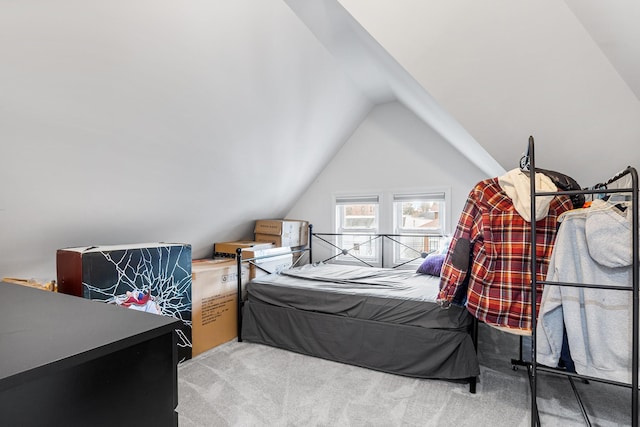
<point>267,261</point>
<point>32,283</point>
<point>304,233</point>
<point>159,271</point>
<point>228,249</point>
<point>277,241</point>
<point>287,232</point>
<point>300,256</point>
<point>215,307</point>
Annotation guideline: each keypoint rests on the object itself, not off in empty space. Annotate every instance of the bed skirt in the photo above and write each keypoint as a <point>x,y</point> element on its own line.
<point>393,348</point>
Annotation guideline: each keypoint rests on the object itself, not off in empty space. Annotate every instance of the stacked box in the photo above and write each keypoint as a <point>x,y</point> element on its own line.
<point>215,302</point>
<point>272,259</point>
<point>44,286</point>
<point>282,232</point>
<point>267,261</point>
<point>159,273</point>
<point>300,256</point>
<point>229,249</point>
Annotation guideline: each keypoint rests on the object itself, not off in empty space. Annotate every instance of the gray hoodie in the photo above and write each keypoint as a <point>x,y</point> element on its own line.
<point>593,245</point>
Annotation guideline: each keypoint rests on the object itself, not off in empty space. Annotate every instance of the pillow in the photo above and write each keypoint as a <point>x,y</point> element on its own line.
<point>444,246</point>
<point>432,264</point>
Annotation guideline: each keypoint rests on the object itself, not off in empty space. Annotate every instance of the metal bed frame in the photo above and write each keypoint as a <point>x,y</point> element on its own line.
<point>341,251</point>
<point>382,238</point>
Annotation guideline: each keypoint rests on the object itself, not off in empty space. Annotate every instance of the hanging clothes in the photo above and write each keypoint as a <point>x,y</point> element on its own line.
<point>593,245</point>
<point>488,265</point>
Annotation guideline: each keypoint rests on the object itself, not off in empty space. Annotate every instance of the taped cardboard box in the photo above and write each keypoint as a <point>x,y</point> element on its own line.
<point>300,256</point>
<point>284,232</point>
<point>277,241</point>
<point>215,307</point>
<point>304,233</point>
<point>267,261</point>
<point>229,249</point>
<point>33,283</point>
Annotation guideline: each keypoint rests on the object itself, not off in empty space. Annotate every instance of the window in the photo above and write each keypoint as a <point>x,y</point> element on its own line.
<point>357,218</point>
<point>420,219</point>
<point>414,224</point>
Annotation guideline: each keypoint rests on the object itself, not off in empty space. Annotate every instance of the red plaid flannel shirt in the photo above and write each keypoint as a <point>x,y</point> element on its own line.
<point>499,286</point>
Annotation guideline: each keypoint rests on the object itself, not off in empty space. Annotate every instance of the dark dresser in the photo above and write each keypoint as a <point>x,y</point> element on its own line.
<point>68,361</point>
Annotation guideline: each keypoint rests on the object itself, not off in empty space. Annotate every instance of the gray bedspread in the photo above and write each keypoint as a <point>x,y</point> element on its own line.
<point>376,318</point>
<point>379,294</point>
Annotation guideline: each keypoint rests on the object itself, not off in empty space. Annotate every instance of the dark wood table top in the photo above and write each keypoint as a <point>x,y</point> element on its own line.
<point>43,332</point>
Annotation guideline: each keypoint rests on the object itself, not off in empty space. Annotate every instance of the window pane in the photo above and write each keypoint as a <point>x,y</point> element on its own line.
<point>420,218</point>
<point>412,246</point>
<point>419,215</point>
<point>360,216</point>
<point>357,218</point>
<point>359,246</point>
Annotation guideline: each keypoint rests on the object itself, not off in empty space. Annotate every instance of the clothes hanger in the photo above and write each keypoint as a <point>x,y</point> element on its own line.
<point>525,162</point>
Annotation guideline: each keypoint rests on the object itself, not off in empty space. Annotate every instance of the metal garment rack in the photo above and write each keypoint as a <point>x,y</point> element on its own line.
<point>533,369</point>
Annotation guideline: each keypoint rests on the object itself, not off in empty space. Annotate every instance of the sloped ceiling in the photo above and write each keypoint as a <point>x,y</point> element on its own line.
<point>381,77</point>
<point>563,72</point>
<point>140,120</point>
<point>613,26</point>
<point>156,120</point>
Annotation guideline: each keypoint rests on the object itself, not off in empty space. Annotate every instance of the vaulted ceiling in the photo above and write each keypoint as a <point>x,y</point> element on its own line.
<point>147,120</point>
<point>492,73</point>
<point>155,120</point>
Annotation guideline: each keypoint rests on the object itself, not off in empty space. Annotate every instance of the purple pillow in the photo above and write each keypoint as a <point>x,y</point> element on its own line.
<point>432,264</point>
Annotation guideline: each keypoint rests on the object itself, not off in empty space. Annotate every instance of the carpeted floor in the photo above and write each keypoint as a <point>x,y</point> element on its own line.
<point>244,384</point>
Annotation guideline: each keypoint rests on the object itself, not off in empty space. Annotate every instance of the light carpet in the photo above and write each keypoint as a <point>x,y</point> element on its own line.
<point>245,384</point>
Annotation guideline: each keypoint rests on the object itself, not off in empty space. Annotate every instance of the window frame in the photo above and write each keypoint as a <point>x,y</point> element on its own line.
<point>432,238</point>
<point>433,196</point>
<point>356,198</point>
<point>387,223</point>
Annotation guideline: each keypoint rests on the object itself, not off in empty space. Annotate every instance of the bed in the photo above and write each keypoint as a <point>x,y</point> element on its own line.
<point>378,318</point>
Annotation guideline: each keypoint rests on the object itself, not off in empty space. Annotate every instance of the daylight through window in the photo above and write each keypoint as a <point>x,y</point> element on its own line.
<point>357,219</point>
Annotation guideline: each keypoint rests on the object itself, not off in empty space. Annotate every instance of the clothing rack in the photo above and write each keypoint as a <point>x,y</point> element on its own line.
<point>533,368</point>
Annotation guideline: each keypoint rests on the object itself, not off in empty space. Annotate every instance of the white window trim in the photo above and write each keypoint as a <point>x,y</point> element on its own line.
<point>354,197</point>
<point>446,226</point>
<point>386,213</point>
<point>407,192</point>
<point>443,193</point>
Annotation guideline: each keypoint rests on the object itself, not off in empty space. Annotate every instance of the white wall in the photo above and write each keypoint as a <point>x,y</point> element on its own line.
<point>381,77</point>
<point>509,69</point>
<point>392,150</point>
<point>139,120</point>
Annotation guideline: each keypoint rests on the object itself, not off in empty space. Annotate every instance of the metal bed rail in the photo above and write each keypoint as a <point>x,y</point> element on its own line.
<point>473,328</point>
<point>253,261</point>
<point>350,250</point>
